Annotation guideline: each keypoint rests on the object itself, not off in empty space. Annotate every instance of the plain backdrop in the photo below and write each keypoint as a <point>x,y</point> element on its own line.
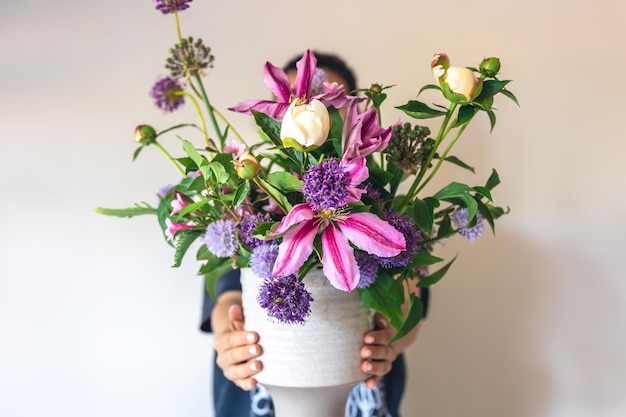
<point>94,322</point>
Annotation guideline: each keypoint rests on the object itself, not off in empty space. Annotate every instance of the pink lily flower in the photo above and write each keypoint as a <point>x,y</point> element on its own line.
<point>338,228</point>
<point>173,228</point>
<point>277,81</point>
<point>361,134</point>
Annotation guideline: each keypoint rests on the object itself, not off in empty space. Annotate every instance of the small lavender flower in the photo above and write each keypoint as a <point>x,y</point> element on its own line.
<point>317,83</point>
<point>162,191</point>
<point>326,186</point>
<point>263,258</point>
<point>473,233</point>
<point>221,238</point>
<point>285,299</point>
<point>368,267</point>
<point>189,57</point>
<point>406,226</point>
<point>166,94</point>
<point>171,6</point>
<point>248,226</point>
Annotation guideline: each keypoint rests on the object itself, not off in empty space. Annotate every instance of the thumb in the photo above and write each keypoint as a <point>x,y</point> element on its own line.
<point>235,316</point>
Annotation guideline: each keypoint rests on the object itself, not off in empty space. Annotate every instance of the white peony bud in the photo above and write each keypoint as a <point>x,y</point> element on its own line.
<point>305,126</point>
<point>462,81</point>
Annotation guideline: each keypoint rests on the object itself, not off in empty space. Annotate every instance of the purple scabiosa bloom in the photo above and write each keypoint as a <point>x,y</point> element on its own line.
<point>248,226</point>
<point>166,94</point>
<point>285,299</point>
<point>189,57</point>
<point>326,186</point>
<point>172,6</point>
<point>473,233</point>
<point>406,226</point>
<point>221,238</point>
<point>263,258</point>
<point>368,267</point>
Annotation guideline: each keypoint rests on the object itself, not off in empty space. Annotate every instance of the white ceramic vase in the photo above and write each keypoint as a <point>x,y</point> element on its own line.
<point>309,370</point>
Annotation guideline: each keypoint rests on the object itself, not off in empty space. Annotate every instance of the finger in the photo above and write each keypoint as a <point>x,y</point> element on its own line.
<point>242,374</point>
<point>376,368</point>
<point>238,355</point>
<point>379,353</point>
<point>235,317</point>
<point>232,339</point>
<point>372,381</point>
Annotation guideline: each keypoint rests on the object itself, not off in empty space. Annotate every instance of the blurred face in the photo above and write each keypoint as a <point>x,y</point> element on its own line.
<point>332,76</point>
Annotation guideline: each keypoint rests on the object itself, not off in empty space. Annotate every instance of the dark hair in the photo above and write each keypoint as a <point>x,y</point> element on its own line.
<point>332,62</point>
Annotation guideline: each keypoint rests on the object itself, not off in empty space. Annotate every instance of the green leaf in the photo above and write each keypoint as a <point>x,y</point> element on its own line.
<point>380,177</point>
<point>378,99</point>
<point>465,114</point>
<point>284,181</point>
<point>241,193</point>
<point>412,318</point>
<point>484,191</point>
<point>429,87</point>
<point>436,276</point>
<point>213,270</point>
<point>458,193</point>
<point>419,110</point>
<point>492,118</point>
<point>458,162</point>
<point>136,153</point>
<point>423,213</point>
<point>127,212</point>
<point>387,296</point>
<point>269,126</point>
<point>191,208</point>
<point>491,88</point>
<point>184,239</point>
<point>221,176</point>
<point>493,180</point>
<point>510,95</point>
<point>425,258</point>
<point>191,151</point>
<point>276,194</point>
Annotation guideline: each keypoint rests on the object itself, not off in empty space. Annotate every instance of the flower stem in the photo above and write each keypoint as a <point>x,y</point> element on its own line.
<point>231,128</point>
<point>177,26</point>
<point>200,116</point>
<point>442,157</point>
<point>168,156</point>
<point>443,131</point>
<point>205,98</point>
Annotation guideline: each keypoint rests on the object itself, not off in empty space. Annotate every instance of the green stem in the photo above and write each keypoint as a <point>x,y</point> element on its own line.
<point>168,156</point>
<point>200,116</point>
<point>177,26</point>
<point>443,131</point>
<point>205,98</point>
<point>231,128</point>
<point>442,157</point>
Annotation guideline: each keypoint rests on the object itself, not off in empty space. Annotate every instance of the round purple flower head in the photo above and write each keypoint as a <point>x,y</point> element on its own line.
<point>221,238</point>
<point>263,258</point>
<point>406,226</point>
<point>285,299</point>
<point>171,6</point>
<point>368,267</point>
<point>459,217</point>
<point>166,94</point>
<point>326,186</point>
<point>248,226</point>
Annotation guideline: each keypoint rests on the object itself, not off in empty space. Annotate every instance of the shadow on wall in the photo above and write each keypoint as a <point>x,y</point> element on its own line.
<point>487,347</point>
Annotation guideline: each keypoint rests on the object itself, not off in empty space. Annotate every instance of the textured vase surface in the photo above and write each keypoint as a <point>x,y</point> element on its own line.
<point>323,352</point>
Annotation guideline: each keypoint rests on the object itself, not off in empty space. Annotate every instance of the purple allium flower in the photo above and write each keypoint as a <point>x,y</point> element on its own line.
<point>248,226</point>
<point>221,238</point>
<point>373,193</point>
<point>263,258</point>
<point>166,94</point>
<point>171,6</point>
<point>285,299</point>
<point>473,233</point>
<point>406,226</point>
<point>189,57</point>
<point>326,186</point>
<point>317,83</point>
<point>368,267</point>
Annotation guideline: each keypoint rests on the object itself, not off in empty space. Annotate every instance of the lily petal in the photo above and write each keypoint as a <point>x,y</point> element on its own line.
<point>339,264</point>
<point>299,213</point>
<point>375,236</point>
<point>273,109</point>
<point>296,247</point>
<point>277,81</point>
<point>306,69</point>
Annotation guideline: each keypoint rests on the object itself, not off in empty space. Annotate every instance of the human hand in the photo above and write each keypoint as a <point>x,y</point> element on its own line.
<point>377,353</point>
<point>236,350</point>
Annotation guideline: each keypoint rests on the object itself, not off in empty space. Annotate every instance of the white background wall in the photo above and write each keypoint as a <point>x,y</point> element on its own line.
<point>93,322</point>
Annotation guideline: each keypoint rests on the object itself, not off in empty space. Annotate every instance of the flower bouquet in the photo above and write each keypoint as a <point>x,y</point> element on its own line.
<point>325,185</point>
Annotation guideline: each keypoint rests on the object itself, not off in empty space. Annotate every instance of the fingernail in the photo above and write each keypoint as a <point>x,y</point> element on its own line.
<point>367,353</point>
<point>250,337</point>
<point>253,366</point>
<point>369,339</point>
<point>368,366</point>
<point>253,350</point>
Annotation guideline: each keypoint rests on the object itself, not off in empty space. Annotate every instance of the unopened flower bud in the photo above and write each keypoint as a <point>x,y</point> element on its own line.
<point>305,126</point>
<point>490,67</point>
<point>145,134</point>
<point>247,167</point>
<point>376,88</point>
